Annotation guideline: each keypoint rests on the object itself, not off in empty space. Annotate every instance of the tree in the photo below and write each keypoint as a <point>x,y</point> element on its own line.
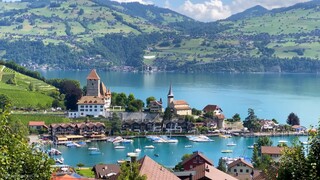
<point>5,103</point>
<point>293,119</point>
<point>236,117</point>
<point>31,86</point>
<point>131,97</point>
<point>313,156</point>
<point>251,122</point>
<point>221,165</point>
<point>80,165</point>
<point>259,161</point>
<point>130,171</point>
<point>115,123</point>
<point>149,99</point>
<point>179,166</point>
<point>196,111</point>
<point>135,105</point>
<point>17,159</point>
<point>293,163</point>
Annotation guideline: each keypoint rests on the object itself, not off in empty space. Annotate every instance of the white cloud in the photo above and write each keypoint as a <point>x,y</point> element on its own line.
<point>207,11</point>
<point>139,1</point>
<point>241,5</point>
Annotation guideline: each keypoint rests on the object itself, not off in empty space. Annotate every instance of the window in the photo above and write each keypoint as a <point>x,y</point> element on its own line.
<point>241,170</point>
<point>101,109</point>
<point>235,170</point>
<point>247,171</point>
<point>86,106</point>
<point>90,110</point>
<point>81,114</point>
<point>191,166</point>
<point>95,109</point>
<point>81,109</point>
<point>95,106</point>
<point>86,109</point>
<point>81,106</point>
<point>101,106</point>
<point>90,106</point>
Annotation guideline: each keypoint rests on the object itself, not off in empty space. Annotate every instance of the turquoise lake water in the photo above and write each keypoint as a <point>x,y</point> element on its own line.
<point>169,153</point>
<point>270,95</point>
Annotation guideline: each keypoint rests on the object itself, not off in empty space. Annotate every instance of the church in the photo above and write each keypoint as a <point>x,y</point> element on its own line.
<point>179,107</point>
<point>97,100</point>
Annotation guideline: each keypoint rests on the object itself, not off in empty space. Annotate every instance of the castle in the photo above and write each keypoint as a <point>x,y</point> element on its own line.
<point>97,100</point>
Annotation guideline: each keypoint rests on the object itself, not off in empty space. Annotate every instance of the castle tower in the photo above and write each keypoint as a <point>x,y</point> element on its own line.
<point>93,84</point>
<point>170,96</point>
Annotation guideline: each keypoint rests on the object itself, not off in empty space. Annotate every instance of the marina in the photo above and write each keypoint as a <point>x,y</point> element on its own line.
<point>170,153</point>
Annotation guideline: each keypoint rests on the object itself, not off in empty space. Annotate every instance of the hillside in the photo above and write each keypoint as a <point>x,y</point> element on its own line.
<point>23,95</point>
<point>81,34</point>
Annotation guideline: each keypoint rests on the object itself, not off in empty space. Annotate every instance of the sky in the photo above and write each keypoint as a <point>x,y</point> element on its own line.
<point>212,10</point>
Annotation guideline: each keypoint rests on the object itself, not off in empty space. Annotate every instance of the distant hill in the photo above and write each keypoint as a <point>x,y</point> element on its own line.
<point>251,12</point>
<point>80,34</point>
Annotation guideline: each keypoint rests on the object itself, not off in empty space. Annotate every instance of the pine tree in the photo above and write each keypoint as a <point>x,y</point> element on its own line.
<point>221,165</point>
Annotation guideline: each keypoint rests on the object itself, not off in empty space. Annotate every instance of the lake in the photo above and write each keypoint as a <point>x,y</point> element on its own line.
<point>169,153</point>
<point>270,95</point>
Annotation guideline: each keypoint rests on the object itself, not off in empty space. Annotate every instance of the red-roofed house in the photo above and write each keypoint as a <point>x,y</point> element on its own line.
<point>194,160</point>
<point>37,125</point>
<point>207,171</point>
<point>154,171</point>
<point>273,151</point>
<point>240,168</point>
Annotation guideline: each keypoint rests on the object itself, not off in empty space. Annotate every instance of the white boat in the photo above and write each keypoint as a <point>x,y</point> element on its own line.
<point>305,142</point>
<point>93,149</point>
<point>127,141</point>
<point>54,151</point>
<point>137,150</point>
<point>188,146</point>
<point>59,160</point>
<point>251,147</point>
<point>200,138</point>
<point>132,154</point>
<point>119,147</point>
<point>231,144</point>
<point>282,141</point>
<point>227,151</point>
<point>95,152</point>
<point>149,147</point>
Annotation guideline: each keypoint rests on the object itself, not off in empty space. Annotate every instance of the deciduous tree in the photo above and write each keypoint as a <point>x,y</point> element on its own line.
<point>293,119</point>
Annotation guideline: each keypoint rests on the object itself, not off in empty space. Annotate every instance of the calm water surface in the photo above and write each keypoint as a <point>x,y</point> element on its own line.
<point>270,95</point>
<point>169,153</point>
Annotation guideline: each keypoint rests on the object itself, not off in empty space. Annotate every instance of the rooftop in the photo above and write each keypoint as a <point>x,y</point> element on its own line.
<point>271,150</point>
<point>155,171</point>
<point>207,171</point>
<point>93,75</point>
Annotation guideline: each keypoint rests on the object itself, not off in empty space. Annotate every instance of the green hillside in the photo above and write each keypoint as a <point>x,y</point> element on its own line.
<point>21,93</point>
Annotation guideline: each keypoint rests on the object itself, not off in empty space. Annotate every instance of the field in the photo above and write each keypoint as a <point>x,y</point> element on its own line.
<point>86,172</point>
<point>20,94</point>
<point>47,118</point>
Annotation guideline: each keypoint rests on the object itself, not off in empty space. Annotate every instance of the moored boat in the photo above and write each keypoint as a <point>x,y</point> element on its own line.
<point>149,147</point>
<point>119,147</point>
<point>227,151</point>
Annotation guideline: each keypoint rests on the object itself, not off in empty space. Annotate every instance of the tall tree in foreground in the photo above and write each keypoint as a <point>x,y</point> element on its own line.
<point>293,119</point>
<point>17,159</point>
<point>130,171</point>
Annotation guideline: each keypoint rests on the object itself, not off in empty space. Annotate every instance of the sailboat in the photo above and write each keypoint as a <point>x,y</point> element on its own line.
<point>138,150</point>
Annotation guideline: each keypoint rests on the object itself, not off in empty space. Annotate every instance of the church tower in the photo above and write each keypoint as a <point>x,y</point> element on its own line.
<point>93,84</point>
<point>170,96</point>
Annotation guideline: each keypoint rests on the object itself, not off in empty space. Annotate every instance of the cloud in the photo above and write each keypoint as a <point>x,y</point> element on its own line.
<point>139,1</point>
<point>241,5</point>
<point>207,11</point>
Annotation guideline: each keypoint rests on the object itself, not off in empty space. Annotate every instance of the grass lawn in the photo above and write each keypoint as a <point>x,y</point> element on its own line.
<point>47,118</point>
<point>86,172</point>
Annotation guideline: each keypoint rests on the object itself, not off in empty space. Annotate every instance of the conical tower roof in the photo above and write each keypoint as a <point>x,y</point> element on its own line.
<point>170,93</point>
<point>93,75</point>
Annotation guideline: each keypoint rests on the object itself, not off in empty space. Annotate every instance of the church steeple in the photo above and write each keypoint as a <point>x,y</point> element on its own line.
<point>170,96</point>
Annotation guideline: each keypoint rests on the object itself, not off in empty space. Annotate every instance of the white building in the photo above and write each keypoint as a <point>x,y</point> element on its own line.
<point>179,107</point>
<point>97,100</point>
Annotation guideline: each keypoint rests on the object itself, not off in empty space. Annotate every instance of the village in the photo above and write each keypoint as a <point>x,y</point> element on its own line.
<point>152,124</point>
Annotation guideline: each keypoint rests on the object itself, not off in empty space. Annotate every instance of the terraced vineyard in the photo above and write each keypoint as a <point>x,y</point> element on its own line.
<point>20,93</point>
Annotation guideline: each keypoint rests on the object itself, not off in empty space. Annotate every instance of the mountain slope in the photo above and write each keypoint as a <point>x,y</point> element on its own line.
<point>251,12</point>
